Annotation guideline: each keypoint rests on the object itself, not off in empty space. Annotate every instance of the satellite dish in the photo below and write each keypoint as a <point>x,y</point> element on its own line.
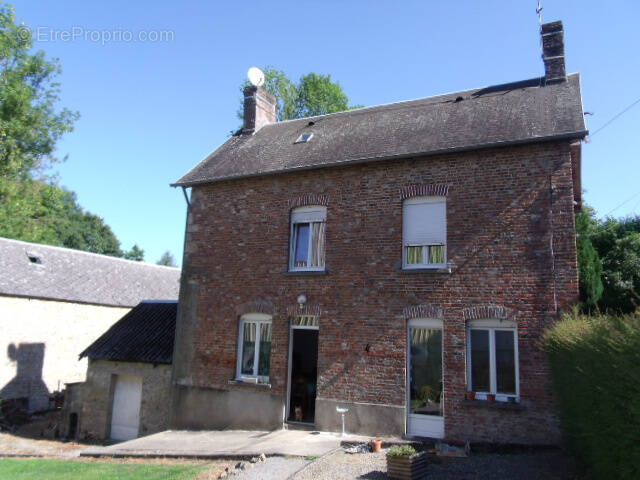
<point>256,76</point>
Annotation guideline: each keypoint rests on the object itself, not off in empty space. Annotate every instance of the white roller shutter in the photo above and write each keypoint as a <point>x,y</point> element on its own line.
<point>424,221</point>
<point>309,215</point>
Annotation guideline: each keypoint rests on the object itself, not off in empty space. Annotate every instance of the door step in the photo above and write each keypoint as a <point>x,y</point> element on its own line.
<point>308,427</point>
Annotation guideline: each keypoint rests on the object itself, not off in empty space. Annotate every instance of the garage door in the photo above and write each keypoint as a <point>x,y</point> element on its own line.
<point>125,416</point>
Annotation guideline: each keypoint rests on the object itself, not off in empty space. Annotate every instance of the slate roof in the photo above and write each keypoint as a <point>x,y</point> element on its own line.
<point>508,114</point>
<point>75,276</point>
<point>145,334</point>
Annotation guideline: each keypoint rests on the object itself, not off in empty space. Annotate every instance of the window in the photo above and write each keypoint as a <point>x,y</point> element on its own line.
<point>304,138</point>
<point>492,357</point>
<point>254,348</point>
<point>307,238</point>
<point>424,232</point>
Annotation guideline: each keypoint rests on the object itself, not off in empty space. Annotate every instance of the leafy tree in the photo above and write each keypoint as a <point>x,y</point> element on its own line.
<point>589,264</point>
<point>314,94</point>
<point>617,242</point>
<point>167,260</point>
<point>41,212</point>
<point>136,253</point>
<point>30,123</point>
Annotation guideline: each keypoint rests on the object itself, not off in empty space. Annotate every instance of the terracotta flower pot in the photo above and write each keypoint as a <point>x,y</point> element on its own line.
<point>376,445</point>
<point>470,396</point>
<point>491,397</point>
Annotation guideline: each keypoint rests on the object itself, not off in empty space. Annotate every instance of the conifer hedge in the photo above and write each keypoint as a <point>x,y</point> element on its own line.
<point>595,367</point>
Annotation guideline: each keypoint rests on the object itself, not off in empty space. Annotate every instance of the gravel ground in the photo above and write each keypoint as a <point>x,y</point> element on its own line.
<point>15,445</point>
<point>373,466</point>
<point>274,468</point>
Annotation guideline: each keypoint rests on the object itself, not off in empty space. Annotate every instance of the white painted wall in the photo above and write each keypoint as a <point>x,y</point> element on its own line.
<point>40,341</point>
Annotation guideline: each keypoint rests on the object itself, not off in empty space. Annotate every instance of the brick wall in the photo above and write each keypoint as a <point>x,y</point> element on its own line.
<point>508,210</point>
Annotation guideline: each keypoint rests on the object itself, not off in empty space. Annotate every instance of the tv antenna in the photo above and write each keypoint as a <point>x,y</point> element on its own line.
<point>539,12</point>
<point>255,76</point>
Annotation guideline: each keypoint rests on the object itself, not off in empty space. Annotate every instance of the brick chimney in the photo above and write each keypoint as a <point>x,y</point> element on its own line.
<point>553,52</point>
<point>259,109</point>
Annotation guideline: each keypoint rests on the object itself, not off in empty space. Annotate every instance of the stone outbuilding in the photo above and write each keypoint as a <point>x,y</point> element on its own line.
<point>126,393</point>
<point>54,299</point>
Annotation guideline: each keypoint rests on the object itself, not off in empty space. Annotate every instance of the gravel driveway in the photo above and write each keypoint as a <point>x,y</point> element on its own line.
<point>373,466</point>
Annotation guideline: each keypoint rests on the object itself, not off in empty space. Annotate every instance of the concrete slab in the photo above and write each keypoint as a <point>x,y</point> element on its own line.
<point>228,444</point>
<point>222,444</point>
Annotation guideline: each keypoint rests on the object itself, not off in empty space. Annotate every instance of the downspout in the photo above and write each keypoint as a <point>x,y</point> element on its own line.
<point>186,197</point>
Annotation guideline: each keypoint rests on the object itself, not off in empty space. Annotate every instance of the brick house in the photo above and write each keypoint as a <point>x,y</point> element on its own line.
<point>385,260</point>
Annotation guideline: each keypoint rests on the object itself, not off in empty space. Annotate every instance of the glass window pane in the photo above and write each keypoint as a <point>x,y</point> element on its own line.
<point>426,371</point>
<point>414,255</point>
<point>265,349</point>
<point>302,244</point>
<point>436,254</point>
<point>480,360</point>
<point>505,362</point>
<point>248,347</point>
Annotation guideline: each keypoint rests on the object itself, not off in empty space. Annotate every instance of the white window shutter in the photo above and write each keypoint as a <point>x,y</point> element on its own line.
<point>425,221</point>
<point>308,215</point>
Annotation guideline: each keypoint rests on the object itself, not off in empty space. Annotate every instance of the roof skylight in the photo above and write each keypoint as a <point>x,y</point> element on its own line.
<point>304,138</point>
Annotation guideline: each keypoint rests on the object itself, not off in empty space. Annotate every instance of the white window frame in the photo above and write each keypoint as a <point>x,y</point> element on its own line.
<point>259,319</point>
<point>492,326</point>
<point>295,214</point>
<point>425,248</point>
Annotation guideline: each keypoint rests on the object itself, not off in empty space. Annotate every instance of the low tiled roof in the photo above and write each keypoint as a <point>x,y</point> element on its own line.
<point>145,334</point>
<point>82,277</point>
<point>514,113</point>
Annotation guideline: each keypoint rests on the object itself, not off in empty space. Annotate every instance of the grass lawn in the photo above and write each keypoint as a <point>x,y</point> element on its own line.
<point>68,469</point>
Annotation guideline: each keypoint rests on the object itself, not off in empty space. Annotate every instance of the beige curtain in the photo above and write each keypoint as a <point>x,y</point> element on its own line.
<point>305,321</point>
<point>414,255</point>
<point>436,254</point>
<point>317,244</point>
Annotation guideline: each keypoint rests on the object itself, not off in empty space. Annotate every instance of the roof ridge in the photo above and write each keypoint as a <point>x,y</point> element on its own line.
<point>73,250</point>
<point>408,101</point>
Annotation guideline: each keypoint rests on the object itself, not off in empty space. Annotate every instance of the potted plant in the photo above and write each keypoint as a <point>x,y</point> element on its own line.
<point>470,395</point>
<point>405,463</point>
<point>491,397</point>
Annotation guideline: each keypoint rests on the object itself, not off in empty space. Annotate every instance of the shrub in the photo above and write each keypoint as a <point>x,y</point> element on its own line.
<point>595,367</point>
<point>401,450</point>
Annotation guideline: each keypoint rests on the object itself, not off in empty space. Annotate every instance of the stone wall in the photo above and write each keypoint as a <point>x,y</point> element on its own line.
<point>510,236</point>
<point>95,418</point>
<point>41,341</point>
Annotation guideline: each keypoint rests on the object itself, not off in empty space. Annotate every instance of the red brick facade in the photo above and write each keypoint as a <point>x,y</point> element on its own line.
<point>510,237</point>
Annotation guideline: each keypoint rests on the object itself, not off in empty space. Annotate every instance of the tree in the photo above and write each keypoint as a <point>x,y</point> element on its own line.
<point>314,94</point>
<point>136,253</point>
<point>589,264</point>
<point>167,260</point>
<point>617,242</point>
<point>30,123</point>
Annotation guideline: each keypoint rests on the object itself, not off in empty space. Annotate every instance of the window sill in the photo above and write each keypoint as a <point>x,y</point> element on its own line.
<point>493,405</point>
<point>250,385</point>
<point>294,273</point>
<point>440,270</point>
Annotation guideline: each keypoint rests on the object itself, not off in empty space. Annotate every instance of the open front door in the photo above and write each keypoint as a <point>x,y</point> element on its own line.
<point>425,413</point>
<point>303,374</point>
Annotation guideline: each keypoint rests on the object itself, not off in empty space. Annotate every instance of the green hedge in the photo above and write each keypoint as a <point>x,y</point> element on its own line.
<point>595,366</point>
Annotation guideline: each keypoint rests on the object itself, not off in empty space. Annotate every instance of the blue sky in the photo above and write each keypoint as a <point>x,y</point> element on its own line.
<point>152,110</point>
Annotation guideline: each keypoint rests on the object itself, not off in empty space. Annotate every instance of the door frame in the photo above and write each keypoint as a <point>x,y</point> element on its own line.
<point>293,327</point>
<point>438,421</point>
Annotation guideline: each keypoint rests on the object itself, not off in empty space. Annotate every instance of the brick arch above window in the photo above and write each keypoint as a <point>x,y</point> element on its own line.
<point>426,310</point>
<point>255,306</point>
<point>296,310</point>
<point>424,190</point>
<point>309,200</point>
<point>484,312</point>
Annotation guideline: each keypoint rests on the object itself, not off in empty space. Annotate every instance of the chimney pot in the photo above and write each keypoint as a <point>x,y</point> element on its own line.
<point>259,109</point>
<point>553,52</point>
